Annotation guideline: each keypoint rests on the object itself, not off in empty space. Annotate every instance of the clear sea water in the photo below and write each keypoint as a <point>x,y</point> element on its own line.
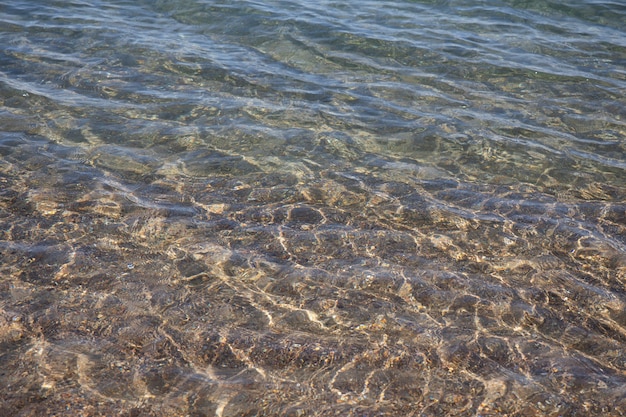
<point>296,208</point>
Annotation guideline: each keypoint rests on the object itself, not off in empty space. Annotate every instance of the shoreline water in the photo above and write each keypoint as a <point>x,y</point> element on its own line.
<point>398,208</point>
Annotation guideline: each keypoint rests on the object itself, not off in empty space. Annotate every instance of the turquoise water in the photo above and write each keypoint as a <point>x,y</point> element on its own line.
<point>398,208</point>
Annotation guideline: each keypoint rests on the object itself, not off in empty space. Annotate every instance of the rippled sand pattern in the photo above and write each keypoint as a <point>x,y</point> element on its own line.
<point>261,294</point>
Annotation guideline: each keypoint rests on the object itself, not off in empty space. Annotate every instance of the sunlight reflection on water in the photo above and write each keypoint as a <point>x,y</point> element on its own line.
<point>397,208</point>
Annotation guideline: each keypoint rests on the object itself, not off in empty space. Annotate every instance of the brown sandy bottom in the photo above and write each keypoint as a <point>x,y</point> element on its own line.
<point>349,294</point>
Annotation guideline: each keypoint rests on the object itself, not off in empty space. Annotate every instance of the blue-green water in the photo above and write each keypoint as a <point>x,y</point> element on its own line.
<point>288,208</point>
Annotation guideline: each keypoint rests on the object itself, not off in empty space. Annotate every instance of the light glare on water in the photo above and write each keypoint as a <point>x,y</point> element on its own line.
<point>400,208</point>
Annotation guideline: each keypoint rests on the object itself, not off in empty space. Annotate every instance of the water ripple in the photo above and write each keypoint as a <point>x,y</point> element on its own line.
<point>288,208</point>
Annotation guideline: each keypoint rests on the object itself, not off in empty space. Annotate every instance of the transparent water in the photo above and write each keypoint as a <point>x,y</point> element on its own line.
<point>398,208</point>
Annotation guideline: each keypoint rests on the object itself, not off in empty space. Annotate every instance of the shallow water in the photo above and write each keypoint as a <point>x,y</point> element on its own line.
<point>399,208</point>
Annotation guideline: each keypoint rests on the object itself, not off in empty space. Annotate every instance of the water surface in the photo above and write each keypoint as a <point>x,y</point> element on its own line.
<point>398,208</point>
